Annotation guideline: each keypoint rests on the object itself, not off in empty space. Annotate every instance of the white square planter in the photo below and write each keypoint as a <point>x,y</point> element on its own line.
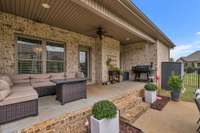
<point>150,96</point>
<point>105,125</point>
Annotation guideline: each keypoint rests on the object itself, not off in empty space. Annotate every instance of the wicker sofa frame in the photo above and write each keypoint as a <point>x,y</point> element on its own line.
<point>17,111</point>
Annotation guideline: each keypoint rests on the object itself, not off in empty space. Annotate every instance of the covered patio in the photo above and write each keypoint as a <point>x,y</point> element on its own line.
<point>49,108</point>
<point>41,41</point>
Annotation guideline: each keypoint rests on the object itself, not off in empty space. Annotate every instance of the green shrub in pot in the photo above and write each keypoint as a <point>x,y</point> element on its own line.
<point>150,92</point>
<point>104,110</point>
<point>175,84</point>
<point>150,87</point>
<point>105,118</point>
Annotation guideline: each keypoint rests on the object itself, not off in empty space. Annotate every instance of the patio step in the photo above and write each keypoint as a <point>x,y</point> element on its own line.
<point>128,102</point>
<point>132,114</point>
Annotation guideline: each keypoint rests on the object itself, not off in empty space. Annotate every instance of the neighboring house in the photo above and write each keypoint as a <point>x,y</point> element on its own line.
<point>192,60</point>
<point>78,35</point>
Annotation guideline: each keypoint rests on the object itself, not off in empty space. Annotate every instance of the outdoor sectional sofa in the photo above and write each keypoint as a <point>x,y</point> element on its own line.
<point>21,102</point>
<point>25,90</point>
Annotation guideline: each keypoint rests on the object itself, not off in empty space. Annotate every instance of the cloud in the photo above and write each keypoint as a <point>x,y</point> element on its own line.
<point>184,49</point>
<point>197,42</point>
<point>198,33</point>
<point>181,50</point>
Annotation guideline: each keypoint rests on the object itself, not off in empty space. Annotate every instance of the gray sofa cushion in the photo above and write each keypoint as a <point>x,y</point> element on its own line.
<point>22,86</point>
<point>79,75</point>
<point>4,85</point>
<point>57,76</point>
<point>4,89</point>
<point>42,84</point>
<point>4,94</point>
<point>21,78</point>
<point>7,79</point>
<point>20,96</point>
<point>40,78</point>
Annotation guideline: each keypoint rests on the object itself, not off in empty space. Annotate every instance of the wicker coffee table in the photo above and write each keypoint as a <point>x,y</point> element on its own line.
<point>68,90</point>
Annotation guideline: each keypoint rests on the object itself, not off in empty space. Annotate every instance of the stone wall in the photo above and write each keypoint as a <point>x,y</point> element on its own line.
<point>11,25</point>
<point>110,49</point>
<point>140,53</point>
<point>131,54</point>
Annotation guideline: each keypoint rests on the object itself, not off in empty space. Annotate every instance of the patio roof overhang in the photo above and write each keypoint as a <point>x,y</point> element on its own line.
<point>121,20</point>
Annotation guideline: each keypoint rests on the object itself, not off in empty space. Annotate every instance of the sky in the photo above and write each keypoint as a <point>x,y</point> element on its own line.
<point>178,19</point>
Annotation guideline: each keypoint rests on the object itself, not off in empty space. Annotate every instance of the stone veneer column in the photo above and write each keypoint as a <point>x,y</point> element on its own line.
<point>7,49</point>
<point>98,61</point>
<point>110,48</point>
<point>72,59</point>
<point>105,47</point>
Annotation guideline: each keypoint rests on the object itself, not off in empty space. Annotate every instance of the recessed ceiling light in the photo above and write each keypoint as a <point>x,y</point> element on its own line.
<point>45,5</point>
<point>127,39</point>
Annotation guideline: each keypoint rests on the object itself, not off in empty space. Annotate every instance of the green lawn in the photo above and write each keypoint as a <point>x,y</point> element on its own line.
<point>190,82</point>
<point>188,94</point>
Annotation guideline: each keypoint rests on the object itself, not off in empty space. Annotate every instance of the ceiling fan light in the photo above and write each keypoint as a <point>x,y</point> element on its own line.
<point>45,5</point>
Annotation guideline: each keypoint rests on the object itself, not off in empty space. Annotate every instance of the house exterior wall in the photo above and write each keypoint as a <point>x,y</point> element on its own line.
<point>162,56</point>
<point>11,25</point>
<point>126,55</point>
<point>141,53</point>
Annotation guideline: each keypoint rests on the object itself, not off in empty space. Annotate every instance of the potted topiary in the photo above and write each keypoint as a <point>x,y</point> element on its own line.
<point>105,118</point>
<point>175,85</point>
<point>150,92</point>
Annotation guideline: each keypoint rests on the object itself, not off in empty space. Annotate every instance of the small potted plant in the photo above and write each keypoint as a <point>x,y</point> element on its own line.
<point>105,118</point>
<point>175,85</point>
<point>150,92</point>
<point>119,72</point>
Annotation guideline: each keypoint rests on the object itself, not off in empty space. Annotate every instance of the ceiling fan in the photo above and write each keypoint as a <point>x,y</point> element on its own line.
<point>100,32</point>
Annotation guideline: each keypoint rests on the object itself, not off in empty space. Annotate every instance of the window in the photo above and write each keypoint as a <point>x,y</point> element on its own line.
<point>198,65</point>
<point>29,56</point>
<point>55,57</point>
<point>84,61</point>
<point>34,58</point>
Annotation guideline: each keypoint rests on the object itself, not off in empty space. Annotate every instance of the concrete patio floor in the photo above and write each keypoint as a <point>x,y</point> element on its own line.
<point>176,117</point>
<point>50,108</point>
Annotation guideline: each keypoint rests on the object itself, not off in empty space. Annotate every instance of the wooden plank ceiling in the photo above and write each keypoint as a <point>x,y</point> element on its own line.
<point>67,15</point>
